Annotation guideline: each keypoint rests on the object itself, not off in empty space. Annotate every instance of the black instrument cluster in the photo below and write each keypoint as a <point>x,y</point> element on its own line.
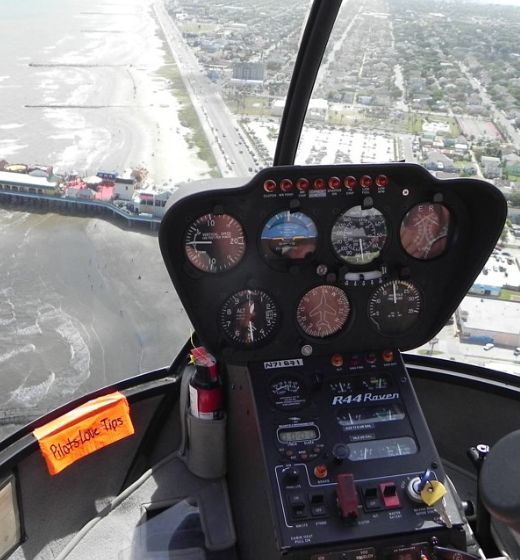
<point>321,259</point>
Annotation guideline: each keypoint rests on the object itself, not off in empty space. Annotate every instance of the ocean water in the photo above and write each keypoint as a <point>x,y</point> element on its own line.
<point>68,81</point>
<point>83,303</point>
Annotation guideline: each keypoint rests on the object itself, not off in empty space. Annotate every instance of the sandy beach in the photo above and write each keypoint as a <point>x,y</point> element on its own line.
<point>93,99</point>
<point>84,303</point>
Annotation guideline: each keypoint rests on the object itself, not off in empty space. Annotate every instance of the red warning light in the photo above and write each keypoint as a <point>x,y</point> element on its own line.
<point>382,181</point>
<point>336,360</point>
<point>302,184</point>
<point>319,184</point>
<point>334,182</point>
<point>350,182</point>
<point>286,185</point>
<point>366,181</point>
<point>269,186</point>
<point>388,356</point>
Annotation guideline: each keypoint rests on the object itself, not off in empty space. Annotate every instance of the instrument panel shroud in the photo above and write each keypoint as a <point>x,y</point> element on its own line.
<point>476,211</point>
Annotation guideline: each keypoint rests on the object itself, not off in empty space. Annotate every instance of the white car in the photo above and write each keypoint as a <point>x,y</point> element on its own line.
<point>488,346</point>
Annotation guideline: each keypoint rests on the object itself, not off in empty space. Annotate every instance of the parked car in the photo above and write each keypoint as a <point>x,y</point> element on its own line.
<point>488,346</point>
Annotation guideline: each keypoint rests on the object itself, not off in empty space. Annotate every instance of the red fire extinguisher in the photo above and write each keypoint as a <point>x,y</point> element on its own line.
<point>206,398</point>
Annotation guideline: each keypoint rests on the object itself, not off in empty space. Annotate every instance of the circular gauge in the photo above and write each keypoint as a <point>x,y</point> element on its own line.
<point>249,317</point>
<point>424,230</point>
<point>323,311</point>
<point>394,307</point>
<point>289,235</point>
<point>214,243</point>
<point>358,235</point>
<point>287,392</point>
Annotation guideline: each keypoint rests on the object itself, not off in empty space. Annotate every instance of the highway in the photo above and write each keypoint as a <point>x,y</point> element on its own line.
<point>233,152</point>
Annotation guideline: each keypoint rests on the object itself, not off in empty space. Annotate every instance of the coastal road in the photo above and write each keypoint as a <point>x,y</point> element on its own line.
<point>234,154</point>
<point>497,115</point>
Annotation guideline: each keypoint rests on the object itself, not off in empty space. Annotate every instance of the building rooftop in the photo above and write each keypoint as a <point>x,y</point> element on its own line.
<point>490,314</point>
<point>498,273</point>
<point>24,179</point>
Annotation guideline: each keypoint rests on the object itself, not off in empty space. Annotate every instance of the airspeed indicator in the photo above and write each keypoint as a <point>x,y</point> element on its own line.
<point>214,243</point>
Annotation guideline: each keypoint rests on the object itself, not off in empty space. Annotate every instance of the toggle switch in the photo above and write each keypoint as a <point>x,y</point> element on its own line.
<point>389,495</point>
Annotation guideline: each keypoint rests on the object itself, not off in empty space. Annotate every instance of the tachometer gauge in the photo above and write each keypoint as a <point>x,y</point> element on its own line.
<point>289,235</point>
<point>323,311</point>
<point>424,230</point>
<point>214,243</point>
<point>287,392</point>
<point>394,307</point>
<point>249,317</point>
<point>358,235</point>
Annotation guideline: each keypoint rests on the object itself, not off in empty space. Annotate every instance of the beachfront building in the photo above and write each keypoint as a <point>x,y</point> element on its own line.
<point>152,202</point>
<point>20,182</point>
<point>125,185</point>
<point>83,193</point>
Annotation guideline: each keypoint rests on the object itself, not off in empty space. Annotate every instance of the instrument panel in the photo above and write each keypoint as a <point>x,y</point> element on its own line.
<point>306,260</point>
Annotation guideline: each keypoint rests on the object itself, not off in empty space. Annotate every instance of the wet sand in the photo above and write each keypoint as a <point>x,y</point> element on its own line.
<point>83,304</point>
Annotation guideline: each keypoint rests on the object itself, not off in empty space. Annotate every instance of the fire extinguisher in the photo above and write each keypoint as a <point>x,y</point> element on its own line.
<point>206,395</point>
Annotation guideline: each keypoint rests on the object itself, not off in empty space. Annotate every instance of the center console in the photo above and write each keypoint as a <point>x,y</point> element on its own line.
<point>346,448</point>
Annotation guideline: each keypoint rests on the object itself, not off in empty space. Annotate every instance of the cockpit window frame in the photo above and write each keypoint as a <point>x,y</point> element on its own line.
<point>315,38</point>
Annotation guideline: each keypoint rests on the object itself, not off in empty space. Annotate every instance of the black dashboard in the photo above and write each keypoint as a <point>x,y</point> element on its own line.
<point>306,261</point>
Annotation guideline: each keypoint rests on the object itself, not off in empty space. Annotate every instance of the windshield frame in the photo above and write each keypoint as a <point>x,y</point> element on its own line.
<point>315,38</point>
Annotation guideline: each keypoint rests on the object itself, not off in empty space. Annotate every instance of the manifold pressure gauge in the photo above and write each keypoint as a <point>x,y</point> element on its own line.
<point>394,307</point>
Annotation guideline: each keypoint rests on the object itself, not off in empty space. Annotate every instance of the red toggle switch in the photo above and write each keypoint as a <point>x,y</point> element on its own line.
<point>389,493</point>
<point>347,496</point>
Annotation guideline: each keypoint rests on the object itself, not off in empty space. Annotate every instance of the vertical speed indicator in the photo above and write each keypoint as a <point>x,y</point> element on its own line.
<point>214,243</point>
<point>394,307</point>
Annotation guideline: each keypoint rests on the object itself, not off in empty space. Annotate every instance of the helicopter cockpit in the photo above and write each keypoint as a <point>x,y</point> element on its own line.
<point>305,283</point>
<point>291,426</point>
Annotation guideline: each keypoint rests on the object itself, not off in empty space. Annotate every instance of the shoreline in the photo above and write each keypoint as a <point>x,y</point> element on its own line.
<point>100,102</point>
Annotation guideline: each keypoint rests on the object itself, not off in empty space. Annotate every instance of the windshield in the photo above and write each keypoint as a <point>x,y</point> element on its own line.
<point>107,114</point>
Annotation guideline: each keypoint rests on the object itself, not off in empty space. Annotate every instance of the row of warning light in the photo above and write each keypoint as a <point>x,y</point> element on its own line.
<point>334,183</point>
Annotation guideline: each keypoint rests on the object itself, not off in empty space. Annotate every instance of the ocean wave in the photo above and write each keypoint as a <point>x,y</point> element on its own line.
<point>31,395</point>
<point>79,358</point>
<point>28,331</point>
<point>10,125</point>
<point>16,351</point>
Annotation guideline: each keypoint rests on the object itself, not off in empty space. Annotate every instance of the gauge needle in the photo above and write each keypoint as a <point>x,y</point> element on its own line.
<point>361,249</point>
<point>395,294</point>
<point>199,242</point>
<point>250,328</point>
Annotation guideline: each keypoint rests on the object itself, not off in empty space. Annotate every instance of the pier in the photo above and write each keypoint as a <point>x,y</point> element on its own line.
<point>77,207</point>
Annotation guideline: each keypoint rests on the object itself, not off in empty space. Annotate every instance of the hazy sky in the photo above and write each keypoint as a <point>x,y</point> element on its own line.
<point>504,2</point>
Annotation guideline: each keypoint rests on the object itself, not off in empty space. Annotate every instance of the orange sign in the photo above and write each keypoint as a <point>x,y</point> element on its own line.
<point>84,430</point>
